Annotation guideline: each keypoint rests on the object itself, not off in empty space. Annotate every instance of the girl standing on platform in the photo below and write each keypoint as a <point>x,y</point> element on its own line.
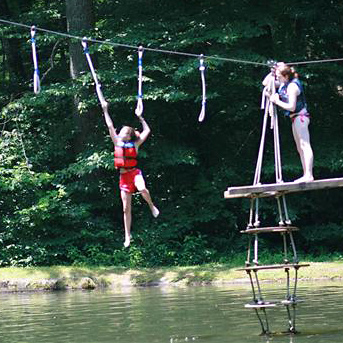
<point>291,99</point>
<point>126,145</point>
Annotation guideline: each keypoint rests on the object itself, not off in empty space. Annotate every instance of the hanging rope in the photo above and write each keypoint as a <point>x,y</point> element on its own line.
<point>36,81</point>
<point>19,135</point>
<point>269,109</point>
<point>203,82</point>
<point>139,107</point>
<point>91,67</point>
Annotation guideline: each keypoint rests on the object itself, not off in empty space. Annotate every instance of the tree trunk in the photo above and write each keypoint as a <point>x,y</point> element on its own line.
<point>80,19</point>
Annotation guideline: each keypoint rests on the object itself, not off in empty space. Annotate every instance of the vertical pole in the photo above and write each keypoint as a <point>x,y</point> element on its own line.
<point>288,221</point>
<point>256,249</point>
<point>295,258</point>
<point>285,252</point>
<point>264,331</point>
<point>288,290</point>
<point>257,221</point>
<point>281,221</point>
<point>252,286</point>
<point>260,298</point>
<point>247,262</point>
<point>251,213</point>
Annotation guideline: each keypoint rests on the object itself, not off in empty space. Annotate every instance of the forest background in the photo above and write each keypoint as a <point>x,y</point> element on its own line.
<point>59,198</point>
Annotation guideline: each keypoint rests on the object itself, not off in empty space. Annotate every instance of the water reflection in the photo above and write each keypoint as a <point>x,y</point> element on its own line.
<point>147,315</point>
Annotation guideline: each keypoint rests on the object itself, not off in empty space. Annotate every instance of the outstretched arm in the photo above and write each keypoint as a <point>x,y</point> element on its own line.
<point>109,122</point>
<point>145,133</point>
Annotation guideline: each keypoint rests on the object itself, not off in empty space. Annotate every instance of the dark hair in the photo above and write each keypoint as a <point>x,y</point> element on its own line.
<point>286,70</point>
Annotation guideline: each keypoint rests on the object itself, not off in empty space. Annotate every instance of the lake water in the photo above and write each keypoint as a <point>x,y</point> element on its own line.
<point>204,314</point>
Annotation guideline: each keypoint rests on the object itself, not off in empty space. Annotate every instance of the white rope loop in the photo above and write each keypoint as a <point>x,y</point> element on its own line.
<point>36,80</point>
<point>139,107</point>
<point>91,67</point>
<point>203,82</point>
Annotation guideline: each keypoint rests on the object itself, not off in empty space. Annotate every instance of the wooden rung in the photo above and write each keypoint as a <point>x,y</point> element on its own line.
<point>275,266</point>
<point>270,229</point>
<point>291,302</point>
<point>277,189</point>
<point>262,305</point>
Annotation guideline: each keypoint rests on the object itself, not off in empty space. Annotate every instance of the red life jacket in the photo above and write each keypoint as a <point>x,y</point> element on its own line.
<point>125,155</point>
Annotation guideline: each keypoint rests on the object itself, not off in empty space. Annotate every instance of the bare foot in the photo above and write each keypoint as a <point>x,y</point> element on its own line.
<point>127,241</point>
<point>304,179</point>
<point>155,212</point>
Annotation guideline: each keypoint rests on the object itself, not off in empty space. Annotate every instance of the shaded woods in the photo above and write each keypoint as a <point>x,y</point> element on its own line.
<point>59,198</point>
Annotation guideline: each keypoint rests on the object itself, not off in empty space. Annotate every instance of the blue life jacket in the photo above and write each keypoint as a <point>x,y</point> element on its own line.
<point>301,101</point>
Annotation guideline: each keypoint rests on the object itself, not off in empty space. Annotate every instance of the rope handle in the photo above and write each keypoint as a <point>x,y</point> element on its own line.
<point>36,80</point>
<point>203,82</point>
<point>139,107</point>
<point>91,67</point>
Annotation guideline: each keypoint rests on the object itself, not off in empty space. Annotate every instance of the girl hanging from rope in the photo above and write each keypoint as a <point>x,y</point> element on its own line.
<point>291,98</point>
<point>126,145</point>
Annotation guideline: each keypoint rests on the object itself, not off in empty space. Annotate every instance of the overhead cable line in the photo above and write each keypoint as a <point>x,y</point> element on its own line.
<point>133,47</point>
<point>128,46</point>
<point>316,61</point>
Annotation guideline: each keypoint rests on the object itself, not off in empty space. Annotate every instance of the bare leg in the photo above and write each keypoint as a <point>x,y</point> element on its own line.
<point>302,139</point>
<point>140,185</point>
<point>297,142</point>
<point>126,200</point>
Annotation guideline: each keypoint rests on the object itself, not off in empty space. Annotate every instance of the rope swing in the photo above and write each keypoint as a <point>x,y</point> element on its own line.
<point>203,82</point>
<point>36,80</point>
<point>139,107</point>
<point>91,67</point>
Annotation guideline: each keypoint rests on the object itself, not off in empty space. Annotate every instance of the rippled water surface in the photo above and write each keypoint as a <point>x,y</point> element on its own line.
<point>193,314</point>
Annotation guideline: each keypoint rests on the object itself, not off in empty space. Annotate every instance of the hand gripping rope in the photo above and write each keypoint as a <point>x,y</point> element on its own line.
<point>36,81</point>
<point>203,103</point>
<point>91,67</point>
<point>139,107</point>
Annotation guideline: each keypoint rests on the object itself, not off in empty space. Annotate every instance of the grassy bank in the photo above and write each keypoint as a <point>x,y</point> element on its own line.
<point>61,277</point>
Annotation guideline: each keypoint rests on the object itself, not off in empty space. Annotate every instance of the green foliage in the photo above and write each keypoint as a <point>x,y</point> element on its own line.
<point>59,199</point>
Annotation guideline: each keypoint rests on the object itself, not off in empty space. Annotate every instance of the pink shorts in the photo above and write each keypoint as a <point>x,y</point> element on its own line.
<point>127,180</point>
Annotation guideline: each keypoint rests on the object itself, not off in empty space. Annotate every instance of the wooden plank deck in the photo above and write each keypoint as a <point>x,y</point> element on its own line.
<point>274,189</point>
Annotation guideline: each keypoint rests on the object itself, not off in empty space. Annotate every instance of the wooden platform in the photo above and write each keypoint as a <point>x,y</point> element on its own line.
<point>275,266</point>
<point>270,229</point>
<point>274,189</point>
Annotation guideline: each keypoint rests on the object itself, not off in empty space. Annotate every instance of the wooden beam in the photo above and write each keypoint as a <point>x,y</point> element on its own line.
<point>280,229</point>
<point>262,305</point>
<point>275,189</point>
<point>275,266</point>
